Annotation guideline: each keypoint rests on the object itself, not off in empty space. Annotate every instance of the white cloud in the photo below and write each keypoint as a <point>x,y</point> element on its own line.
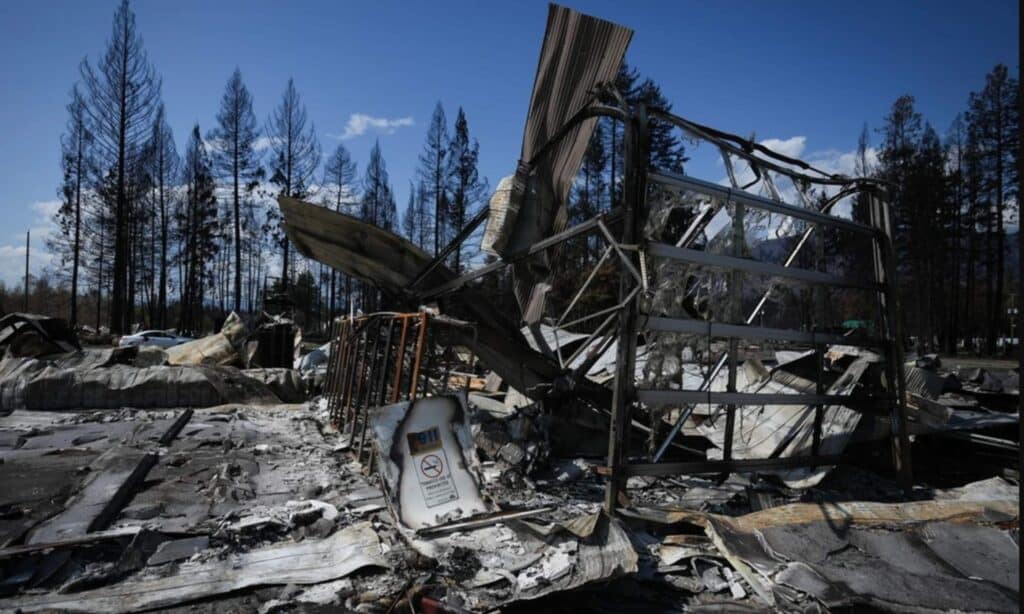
<point>261,143</point>
<point>12,255</point>
<point>12,262</point>
<point>842,162</point>
<point>830,161</point>
<point>360,123</point>
<point>45,210</point>
<point>264,142</point>
<point>792,147</point>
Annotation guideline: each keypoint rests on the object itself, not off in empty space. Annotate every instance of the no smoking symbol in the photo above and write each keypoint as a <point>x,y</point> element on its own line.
<point>431,466</point>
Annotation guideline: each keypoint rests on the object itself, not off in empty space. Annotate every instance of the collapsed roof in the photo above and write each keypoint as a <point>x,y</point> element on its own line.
<point>579,54</point>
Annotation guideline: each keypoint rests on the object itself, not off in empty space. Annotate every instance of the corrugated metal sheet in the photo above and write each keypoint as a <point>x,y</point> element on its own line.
<point>553,337</point>
<point>351,245</point>
<point>579,53</point>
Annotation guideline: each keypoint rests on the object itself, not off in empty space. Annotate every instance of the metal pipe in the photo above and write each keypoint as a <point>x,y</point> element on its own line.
<point>735,465</point>
<point>539,246</point>
<point>600,313</point>
<point>759,202</point>
<point>420,343</point>
<point>400,361</point>
<point>591,337</point>
<point>586,284</point>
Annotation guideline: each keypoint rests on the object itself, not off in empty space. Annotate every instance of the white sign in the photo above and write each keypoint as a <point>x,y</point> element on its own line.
<point>433,483</point>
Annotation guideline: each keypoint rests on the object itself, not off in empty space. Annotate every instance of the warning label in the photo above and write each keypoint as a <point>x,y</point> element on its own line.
<point>431,466</point>
<point>433,473</point>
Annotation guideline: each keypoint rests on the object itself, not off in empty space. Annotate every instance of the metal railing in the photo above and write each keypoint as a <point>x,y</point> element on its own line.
<point>380,359</point>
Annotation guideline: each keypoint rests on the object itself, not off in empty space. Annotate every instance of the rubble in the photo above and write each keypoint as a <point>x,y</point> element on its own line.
<point>178,549</point>
<point>312,562</point>
<point>53,373</point>
<point>650,462</point>
<point>239,487</point>
<point>24,335</point>
<point>895,556</point>
<point>223,348</point>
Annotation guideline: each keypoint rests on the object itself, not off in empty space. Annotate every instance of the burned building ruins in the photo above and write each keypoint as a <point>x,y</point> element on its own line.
<point>705,435</point>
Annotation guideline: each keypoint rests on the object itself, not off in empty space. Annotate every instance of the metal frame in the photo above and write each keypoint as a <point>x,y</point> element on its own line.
<point>378,359</point>
<point>371,358</point>
<point>624,322</point>
<point>627,397</point>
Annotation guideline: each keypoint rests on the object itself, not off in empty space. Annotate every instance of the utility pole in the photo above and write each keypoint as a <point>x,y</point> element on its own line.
<point>28,236</point>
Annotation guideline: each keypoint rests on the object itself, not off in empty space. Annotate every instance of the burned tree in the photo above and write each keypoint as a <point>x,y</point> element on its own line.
<point>416,222</point>
<point>433,169</point>
<point>994,125</point>
<point>236,158</point>
<point>163,171</point>
<point>410,215</point>
<point>122,93</point>
<point>295,157</point>
<point>196,231</point>
<point>378,203</point>
<point>77,166</point>
<point>377,207</point>
<point>465,187</point>
<point>339,192</point>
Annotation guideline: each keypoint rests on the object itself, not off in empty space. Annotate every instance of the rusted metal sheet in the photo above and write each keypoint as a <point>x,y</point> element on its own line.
<point>375,359</point>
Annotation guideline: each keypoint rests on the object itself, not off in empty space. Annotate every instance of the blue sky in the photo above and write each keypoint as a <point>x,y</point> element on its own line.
<point>802,75</point>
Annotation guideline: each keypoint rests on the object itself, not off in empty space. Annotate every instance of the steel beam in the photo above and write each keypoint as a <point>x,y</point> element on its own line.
<point>680,397</point>
<point>454,244</point>
<point>729,466</point>
<point>759,202</point>
<point>742,331</point>
<point>539,246</point>
<point>637,156</point>
<point>704,258</point>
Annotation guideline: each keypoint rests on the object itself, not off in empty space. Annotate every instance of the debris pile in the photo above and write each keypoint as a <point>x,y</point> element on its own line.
<point>43,367</point>
<point>671,454</point>
<point>265,504</point>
